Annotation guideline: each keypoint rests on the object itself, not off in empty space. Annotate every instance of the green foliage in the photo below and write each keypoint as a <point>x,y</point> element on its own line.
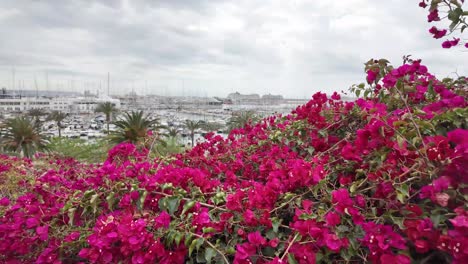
<point>80,149</point>
<point>108,109</point>
<point>212,126</point>
<point>134,127</point>
<point>192,126</point>
<point>23,136</point>
<point>171,146</point>
<point>242,118</point>
<point>58,117</point>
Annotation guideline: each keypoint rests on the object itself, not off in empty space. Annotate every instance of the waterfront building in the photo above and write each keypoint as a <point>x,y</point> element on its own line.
<point>73,105</point>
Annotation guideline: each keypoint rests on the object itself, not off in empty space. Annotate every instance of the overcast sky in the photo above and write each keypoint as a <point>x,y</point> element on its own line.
<point>212,47</point>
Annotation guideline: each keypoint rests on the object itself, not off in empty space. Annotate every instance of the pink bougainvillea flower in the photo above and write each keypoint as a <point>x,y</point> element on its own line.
<point>72,236</point>
<point>390,258</point>
<point>245,250</point>
<point>460,221</point>
<point>162,220</point>
<point>335,243</point>
<point>274,242</point>
<point>43,232</point>
<point>4,201</point>
<point>371,76</point>
<point>335,96</point>
<point>458,136</point>
<point>433,15</point>
<point>450,43</point>
<point>32,222</point>
<point>441,183</point>
<point>341,200</point>
<point>256,239</point>
<point>422,4</point>
<point>332,219</point>
<point>304,254</point>
<point>437,34</point>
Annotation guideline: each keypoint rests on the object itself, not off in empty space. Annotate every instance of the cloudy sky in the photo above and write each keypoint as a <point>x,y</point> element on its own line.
<point>211,47</point>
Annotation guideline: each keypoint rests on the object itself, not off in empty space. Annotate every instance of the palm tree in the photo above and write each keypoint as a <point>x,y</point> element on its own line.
<point>58,117</point>
<point>192,126</point>
<point>22,135</point>
<point>36,113</point>
<point>212,126</point>
<point>240,119</point>
<point>133,127</point>
<point>171,132</point>
<point>109,109</point>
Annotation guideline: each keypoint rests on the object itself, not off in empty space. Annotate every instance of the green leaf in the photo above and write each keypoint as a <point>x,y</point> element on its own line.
<point>436,219</point>
<point>292,259</point>
<point>188,206</point>
<point>94,202</point>
<point>141,201</point>
<point>71,215</point>
<point>342,228</point>
<point>366,93</point>
<point>201,257</point>
<point>188,239</point>
<point>178,237</point>
<point>209,230</point>
<point>110,200</point>
<point>231,250</point>
<point>275,222</point>
<point>209,254</point>
<point>358,93</point>
<point>200,242</point>
<point>398,221</point>
<point>268,251</point>
<point>173,204</point>
<point>318,257</point>
<point>192,246</point>
<point>169,204</point>
<point>345,254</point>
<point>354,186</point>
<point>270,234</point>
<point>400,141</point>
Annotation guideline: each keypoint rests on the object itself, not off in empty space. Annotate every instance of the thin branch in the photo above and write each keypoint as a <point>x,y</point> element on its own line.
<point>212,246</point>
<point>289,246</point>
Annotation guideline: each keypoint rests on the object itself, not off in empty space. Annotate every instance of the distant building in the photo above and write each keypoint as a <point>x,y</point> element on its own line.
<point>238,98</point>
<point>253,99</point>
<point>272,99</point>
<point>18,103</point>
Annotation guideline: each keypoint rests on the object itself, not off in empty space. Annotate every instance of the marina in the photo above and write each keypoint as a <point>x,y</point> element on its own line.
<point>82,121</point>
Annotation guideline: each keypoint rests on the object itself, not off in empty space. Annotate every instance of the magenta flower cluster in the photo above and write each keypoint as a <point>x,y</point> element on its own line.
<point>380,179</point>
<point>456,16</point>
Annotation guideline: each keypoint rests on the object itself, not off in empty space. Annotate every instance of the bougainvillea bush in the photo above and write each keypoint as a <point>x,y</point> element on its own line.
<point>443,11</point>
<point>381,179</point>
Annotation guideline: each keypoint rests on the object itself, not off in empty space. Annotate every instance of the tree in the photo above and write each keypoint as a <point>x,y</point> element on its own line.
<point>212,126</point>
<point>58,117</point>
<point>171,132</point>
<point>36,113</point>
<point>240,119</point>
<point>22,135</point>
<point>108,109</point>
<point>133,127</point>
<point>192,126</point>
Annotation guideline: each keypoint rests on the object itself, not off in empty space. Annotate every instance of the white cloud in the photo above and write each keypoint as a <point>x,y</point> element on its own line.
<point>293,47</point>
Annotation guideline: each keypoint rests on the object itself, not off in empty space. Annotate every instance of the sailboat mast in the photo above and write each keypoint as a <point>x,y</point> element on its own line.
<point>13,86</point>
<point>108,84</point>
